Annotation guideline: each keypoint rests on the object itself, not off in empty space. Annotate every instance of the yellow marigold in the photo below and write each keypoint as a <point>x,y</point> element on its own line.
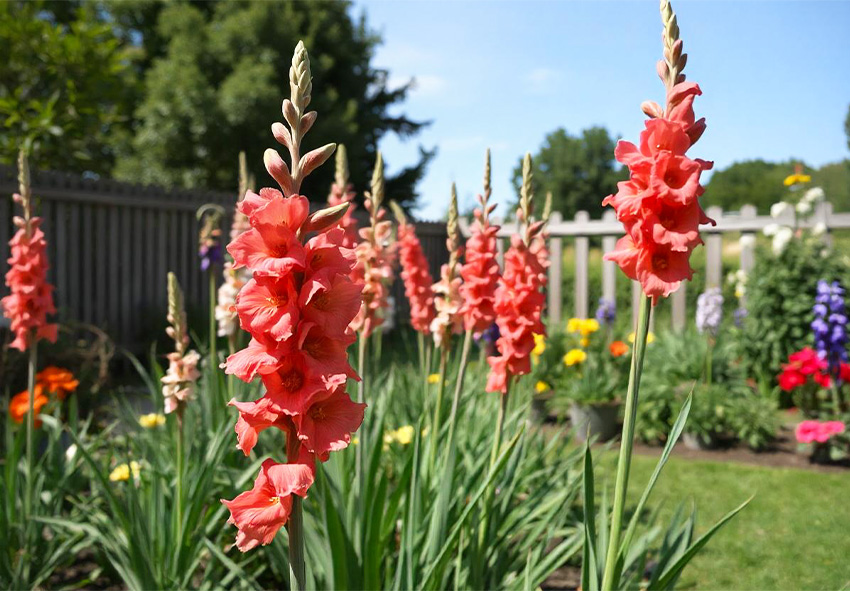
<point>796,178</point>
<point>539,345</point>
<point>434,378</point>
<point>573,324</point>
<point>574,357</point>
<point>122,471</point>
<point>584,342</point>
<point>152,420</point>
<point>541,387</point>
<point>649,338</point>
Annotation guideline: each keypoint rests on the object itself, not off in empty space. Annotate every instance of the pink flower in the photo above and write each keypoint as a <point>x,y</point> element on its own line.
<point>480,271</point>
<point>815,431</point>
<point>327,425</point>
<point>416,276</point>
<point>260,512</point>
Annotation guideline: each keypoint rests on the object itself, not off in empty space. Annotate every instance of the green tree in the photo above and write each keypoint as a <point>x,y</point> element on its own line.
<point>834,179</point>
<point>753,182</point>
<point>579,171</point>
<point>218,72</point>
<point>65,85</point>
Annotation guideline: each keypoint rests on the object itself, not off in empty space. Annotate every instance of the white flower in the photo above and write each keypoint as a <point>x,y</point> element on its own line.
<point>804,207</point>
<point>782,238</point>
<point>71,452</point>
<point>819,229</point>
<point>771,229</point>
<point>814,194</point>
<point>748,240</point>
<point>741,276</point>
<point>777,209</point>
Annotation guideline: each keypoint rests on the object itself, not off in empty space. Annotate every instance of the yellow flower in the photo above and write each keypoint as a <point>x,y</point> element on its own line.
<point>584,342</point>
<point>355,440</point>
<point>574,357</point>
<point>793,179</point>
<point>152,420</point>
<point>122,471</point>
<point>539,345</point>
<point>541,387</point>
<point>404,435</point>
<point>434,378</point>
<point>583,326</point>
<point>649,338</point>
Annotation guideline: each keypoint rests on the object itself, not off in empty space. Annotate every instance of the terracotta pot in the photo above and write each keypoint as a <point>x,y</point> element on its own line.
<point>595,420</point>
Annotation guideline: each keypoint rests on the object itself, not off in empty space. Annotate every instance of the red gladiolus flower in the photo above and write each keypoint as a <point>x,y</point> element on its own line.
<point>658,205</point>
<point>298,308</point>
<point>519,306</point>
<point>260,512</point>
<point>417,278</point>
<point>480,271</point>
<point>31,299</point>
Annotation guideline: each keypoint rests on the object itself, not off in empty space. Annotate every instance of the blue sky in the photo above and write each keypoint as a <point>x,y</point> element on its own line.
<point>775,77</point>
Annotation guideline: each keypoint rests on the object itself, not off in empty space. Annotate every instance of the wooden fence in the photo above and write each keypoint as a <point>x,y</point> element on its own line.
<point>111,245</point>
<point>744,223</point>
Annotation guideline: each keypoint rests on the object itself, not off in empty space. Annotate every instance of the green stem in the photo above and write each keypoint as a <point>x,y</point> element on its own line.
<point>30,481</point>
<point>180,460</point>
<point>708,361</point>
<point>484,529</point>
<point>361,397</point>
<point>461,373</point>
<point>438,408</point>
<point>610,577</point>
<point>297,576</point>
<point>213,325</point>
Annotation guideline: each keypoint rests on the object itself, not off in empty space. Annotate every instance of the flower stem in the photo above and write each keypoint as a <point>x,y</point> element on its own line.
<point>438,407</point>
<point>361,396</point>
<point>180,460</point>
<point>213,352</point>
<point>30,481</point>
<point>626,443</point>
<point>297,576</point>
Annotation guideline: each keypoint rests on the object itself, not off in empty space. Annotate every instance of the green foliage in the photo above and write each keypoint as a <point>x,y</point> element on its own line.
<point>65,85</point>
<point>216,76</point>
<point>780,295</point>
<point>31,547</point>
<point>578,170</point>
<point>759,183</point>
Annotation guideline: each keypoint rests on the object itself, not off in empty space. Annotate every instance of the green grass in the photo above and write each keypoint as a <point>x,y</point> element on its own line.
<point>793,535</point>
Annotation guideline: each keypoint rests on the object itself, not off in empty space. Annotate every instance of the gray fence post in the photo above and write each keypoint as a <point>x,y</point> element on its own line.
<point>556,263</point>
<point>582,253</point>
<point>714,252</point>
<point>609,268</point>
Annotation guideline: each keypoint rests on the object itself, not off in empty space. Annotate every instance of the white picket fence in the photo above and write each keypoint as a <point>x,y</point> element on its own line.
<point>582,228</point>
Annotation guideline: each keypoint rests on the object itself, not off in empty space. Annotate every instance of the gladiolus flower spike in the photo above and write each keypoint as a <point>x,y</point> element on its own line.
<point>297,308</point>
<point>415,274</point>
<point>480,271</point>
<point>659,204</point>
<point>30,300</point>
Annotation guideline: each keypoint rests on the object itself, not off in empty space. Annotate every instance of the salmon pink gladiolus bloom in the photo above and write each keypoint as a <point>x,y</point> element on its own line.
<point>298,308</point>
<point>416,276</point>
<point>260,512</point>
<point>659,205</point>
<point>30,300</point>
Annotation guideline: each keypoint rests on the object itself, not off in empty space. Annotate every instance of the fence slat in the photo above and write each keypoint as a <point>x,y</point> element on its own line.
<point>555,268</point>
<point>714,252</point>
<point>680,307</point>
<point>609,268</point>
<point>582,255</point>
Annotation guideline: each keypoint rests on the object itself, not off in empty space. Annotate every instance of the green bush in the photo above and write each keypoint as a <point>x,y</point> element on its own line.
<point>780,295</point>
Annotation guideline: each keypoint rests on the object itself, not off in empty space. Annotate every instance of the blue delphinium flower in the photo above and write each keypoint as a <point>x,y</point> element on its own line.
<point>606,313</point>
<point>709,310</point>
<point>830,325</point>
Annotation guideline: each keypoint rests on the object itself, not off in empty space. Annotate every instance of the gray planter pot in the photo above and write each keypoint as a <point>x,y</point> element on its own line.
<point>540,408</point>
<point>595,420</point>
<point>699,442</point>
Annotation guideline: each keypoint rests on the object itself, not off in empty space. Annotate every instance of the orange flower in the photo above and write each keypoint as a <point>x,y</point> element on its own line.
<point>19,406</point>
<point>57,380</point>
<point>618,348</point>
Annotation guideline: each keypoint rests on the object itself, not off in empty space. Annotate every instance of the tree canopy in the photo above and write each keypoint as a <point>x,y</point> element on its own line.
<point>170,92</point>
<point>579,171</point>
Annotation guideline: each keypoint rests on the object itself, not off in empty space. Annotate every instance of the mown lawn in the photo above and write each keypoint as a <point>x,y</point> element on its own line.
<point>795,534</point>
